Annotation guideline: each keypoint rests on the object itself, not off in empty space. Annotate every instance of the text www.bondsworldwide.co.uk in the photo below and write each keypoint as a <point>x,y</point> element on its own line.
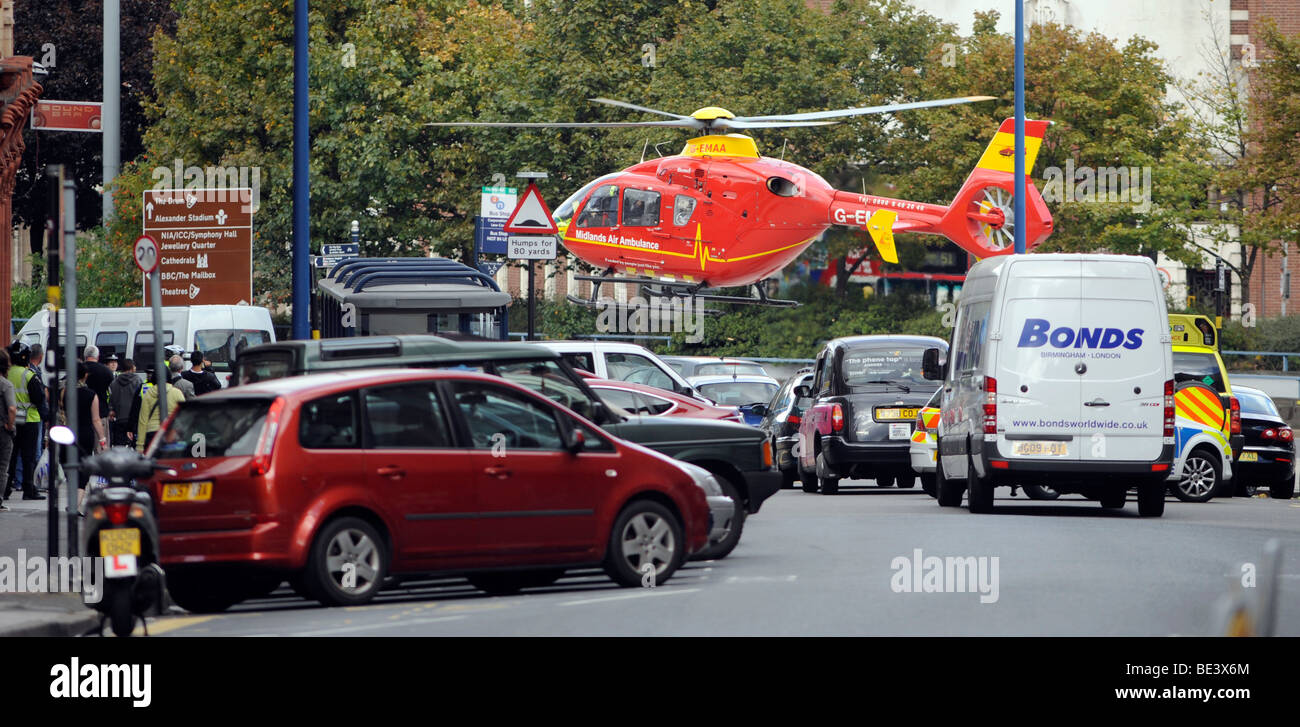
<point>1089,424</point>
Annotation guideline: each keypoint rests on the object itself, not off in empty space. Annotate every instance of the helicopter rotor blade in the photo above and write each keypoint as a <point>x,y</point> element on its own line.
<point>888,108</point>
<point>634,107</point>
<point>722,124</point>
<point>683,123</point>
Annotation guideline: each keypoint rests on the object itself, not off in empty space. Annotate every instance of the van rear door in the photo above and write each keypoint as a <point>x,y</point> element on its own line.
<point>1123,387</point>
<point>1038,387</point>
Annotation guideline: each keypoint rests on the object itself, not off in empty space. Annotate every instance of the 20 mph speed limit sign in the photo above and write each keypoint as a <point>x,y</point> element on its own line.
<point>146,254</point>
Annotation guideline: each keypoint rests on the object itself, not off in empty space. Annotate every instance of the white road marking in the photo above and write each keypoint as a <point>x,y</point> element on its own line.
<point>644,592</point>
<point>362,627</point>
<point>761,579</point>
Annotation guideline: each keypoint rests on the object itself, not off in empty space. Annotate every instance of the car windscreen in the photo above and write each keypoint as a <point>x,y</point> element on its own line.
<point>546,377</point>
<point>867,369</point>
<point>1252,403</point>
<point>727,369</point>
<point>1199,367</point>
<point>222,345</point>
<point>738,393</point>
<point>221,428</point>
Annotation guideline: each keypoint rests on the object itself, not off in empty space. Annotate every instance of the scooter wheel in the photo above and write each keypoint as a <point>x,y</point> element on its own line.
<point>119,612</point>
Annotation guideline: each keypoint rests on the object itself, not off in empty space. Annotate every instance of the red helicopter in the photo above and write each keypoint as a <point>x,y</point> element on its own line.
<point>719,215</point>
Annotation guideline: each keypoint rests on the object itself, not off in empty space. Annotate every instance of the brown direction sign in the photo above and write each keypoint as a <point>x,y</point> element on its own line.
<point>205,244</point>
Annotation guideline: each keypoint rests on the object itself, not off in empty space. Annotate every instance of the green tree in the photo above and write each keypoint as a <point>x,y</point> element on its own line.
<point>1109,110</point>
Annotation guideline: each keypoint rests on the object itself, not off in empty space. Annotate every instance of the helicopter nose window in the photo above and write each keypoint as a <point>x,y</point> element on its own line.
<point>602,209</point>
<point>683,206</point>
<point>640,208</point>
<point>782,187</point>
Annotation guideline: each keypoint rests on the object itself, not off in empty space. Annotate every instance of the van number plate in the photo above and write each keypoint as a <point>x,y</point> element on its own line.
<point>187,491</point>
<point>1038,449</point>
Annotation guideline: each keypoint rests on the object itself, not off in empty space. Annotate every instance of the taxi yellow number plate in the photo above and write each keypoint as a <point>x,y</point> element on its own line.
<point>1249,457</point>
<point>119,541</point>
<point>1039,449</point>
<point>896,415</point>
<point>187,491</point>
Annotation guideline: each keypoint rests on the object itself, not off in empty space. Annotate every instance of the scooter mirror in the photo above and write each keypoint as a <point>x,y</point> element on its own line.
<point>63,435</point>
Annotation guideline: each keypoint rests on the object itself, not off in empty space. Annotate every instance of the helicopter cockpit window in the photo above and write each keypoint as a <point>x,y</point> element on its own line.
<point>782,187</point>
<point>640,208</point>
<point>601,209</point>
<point>564,213</point>
<point>683,206</point>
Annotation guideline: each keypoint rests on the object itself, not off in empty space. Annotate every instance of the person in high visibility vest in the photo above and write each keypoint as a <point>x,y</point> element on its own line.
<point>150,421</point>
<point>31,411</point>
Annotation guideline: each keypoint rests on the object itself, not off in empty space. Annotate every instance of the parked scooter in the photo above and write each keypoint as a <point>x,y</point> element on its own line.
<point>122,527</point>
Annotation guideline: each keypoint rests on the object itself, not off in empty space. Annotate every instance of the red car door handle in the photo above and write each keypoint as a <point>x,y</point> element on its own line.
<point>498,472</point>
<point>392,471</point>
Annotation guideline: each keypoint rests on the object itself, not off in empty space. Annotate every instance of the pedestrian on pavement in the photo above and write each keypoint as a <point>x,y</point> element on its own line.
<point>122,395</point>
<point>149,421</point>
<point>175,367</point>
<point>36,362</point>
<point>99,378</point>
<point>91,435</point>
<point>30,413</point>
<point>198,375</point>
<point>10,413</point>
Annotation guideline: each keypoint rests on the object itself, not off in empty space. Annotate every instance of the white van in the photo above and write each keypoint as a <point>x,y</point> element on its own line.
<point>216,330</point>
<point>1060,373</point>
<point>623,362</point>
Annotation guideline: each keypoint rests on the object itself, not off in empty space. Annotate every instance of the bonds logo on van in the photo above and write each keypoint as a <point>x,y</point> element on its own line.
<point>1038,332</point>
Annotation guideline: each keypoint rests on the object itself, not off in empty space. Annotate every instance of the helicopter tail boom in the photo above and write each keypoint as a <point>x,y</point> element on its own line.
<point>981,218</point>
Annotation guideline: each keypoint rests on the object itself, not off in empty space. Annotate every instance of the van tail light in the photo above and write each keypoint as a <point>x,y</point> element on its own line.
<point>1285,434</point>
<point>265,442</point>
<point>1169,408</point>
<point>990,405</point>
<point>1236,414</point>
<point>920,423</point>
<point>117,512</point>
<point>837,417</point>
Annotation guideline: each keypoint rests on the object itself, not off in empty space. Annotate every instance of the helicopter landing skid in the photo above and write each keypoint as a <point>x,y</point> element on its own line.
<point>678,289</point>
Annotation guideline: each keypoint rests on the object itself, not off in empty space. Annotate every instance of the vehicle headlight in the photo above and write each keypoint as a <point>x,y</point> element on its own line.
<point>703,478</point>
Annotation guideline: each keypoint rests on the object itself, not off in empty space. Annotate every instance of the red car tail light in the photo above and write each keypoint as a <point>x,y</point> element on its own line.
<point>793,419</point>
<point>1169,408</point>
<point>117,512</point>
<point>1285,434</point>
<point>990,405</point>
<point>1268,434</point>
<point>1236,414</point>
<point>266,441</point>
<point>837,417</point>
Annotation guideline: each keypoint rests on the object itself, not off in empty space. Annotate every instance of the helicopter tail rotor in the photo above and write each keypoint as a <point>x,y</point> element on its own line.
<point>981,218</point>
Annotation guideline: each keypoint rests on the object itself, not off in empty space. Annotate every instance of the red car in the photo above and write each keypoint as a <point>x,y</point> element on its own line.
<point>337,481</point>
<point>653,401</point>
